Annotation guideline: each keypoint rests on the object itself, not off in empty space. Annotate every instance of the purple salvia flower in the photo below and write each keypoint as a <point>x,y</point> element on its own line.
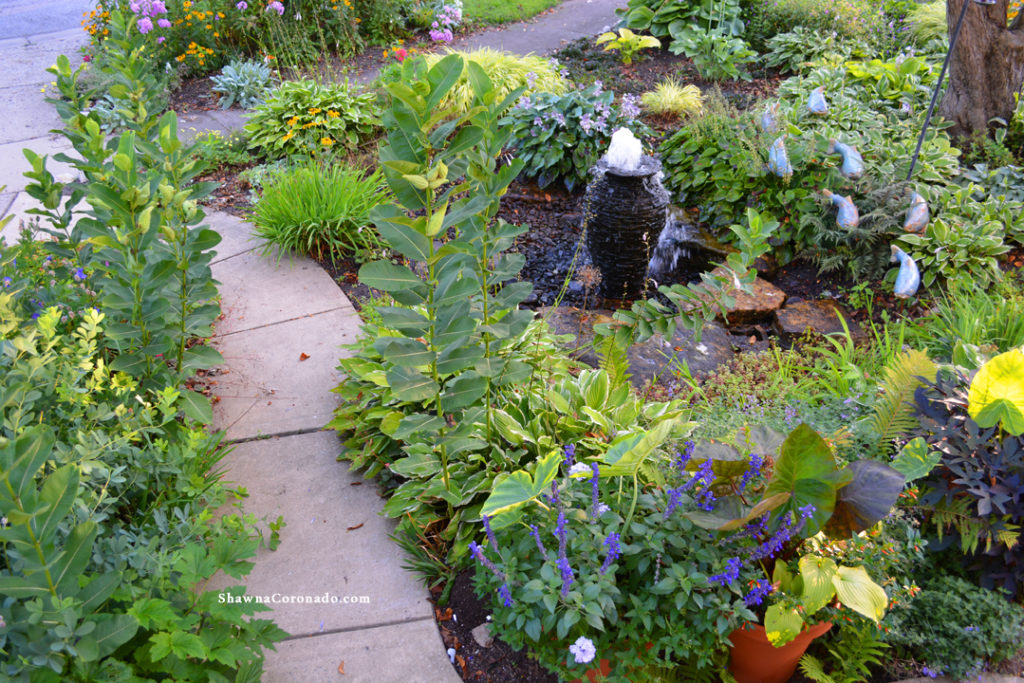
<point>490,533</point>
<point>758,591</point>
<point>506,595</point>
<point>570,454</point>
<point>674,499</point>
<point>478,553</point>
<point>731,573</point>
<point>681,459</point>
<point>612,544</point>
<point>540,543</point>
<point>753,469</point>
<point>567,578</point>
<point>595,494</point>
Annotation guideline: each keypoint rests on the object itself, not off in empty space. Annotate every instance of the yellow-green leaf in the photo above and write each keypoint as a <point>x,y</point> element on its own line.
<point>782,625</point>
<point>856,590</point>
<point>817,573</point>
<point>997,393</point>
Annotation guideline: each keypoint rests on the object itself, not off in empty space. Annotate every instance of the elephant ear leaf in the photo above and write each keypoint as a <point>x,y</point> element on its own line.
<point>856,590</point>
<point>509,495</point>
<point>866,499</point>
<point>997,393</point>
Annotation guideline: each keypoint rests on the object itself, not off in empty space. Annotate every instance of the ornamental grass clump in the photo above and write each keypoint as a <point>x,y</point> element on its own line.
<point>714,540</point>
<point>320,210</point>
<point>672,97</point>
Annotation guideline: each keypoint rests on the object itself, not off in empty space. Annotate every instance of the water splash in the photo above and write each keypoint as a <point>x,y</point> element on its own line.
<point>625,151</point>
<point>670,248</point>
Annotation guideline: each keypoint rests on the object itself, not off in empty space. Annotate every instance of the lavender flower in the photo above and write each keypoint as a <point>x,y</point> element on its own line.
<point>531,79</point>
<point>586,122</point>
<point>242,6</point>
<point>731,573</point>
<point>614,551</point>
<point>629,107</point>
<point>277,7</point>
<point>563,561</point>
<point>595,494</point>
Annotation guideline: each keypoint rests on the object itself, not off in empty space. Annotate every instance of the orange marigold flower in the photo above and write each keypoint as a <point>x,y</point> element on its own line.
<point>327,142</point>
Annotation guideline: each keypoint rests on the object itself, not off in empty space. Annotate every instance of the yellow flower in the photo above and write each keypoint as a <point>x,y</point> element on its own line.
<point>314,110</point>
<point>333,114</point>
<point>288,136</point>
<point>326,142</point>
<point>308,125</point>
<point>293,120</point>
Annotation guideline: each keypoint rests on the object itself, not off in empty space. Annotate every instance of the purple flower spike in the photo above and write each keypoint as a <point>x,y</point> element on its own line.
<point>506,595</point>
<point>490,534</point>
<point>612,544</point>
<point>595,494</point>
<point>570,455</point>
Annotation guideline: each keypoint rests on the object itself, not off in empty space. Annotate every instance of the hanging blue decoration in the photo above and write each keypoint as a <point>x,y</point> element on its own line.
<point>778,159</point>
<point>853,163</point>
<point>908,279</point>
<point>770,118</point>
<point>917,214</point>
<point>848,217</point>
<point>816,103</point>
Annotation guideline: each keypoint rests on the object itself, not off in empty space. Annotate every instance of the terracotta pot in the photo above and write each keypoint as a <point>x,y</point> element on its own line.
<point>753,659</point>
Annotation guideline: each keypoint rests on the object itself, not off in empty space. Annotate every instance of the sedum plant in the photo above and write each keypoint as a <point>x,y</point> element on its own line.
<point>246,82</point>
<point>671,97</point>
<point>306,118</point>
<point>320,209</point>
<point>627,43</point>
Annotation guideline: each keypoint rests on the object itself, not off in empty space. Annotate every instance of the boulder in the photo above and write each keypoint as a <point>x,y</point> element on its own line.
<point>760,304</point>
<point>818,316</point>
<point>655,360</point>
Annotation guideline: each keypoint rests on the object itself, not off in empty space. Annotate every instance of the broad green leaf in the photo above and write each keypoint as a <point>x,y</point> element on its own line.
<point>417,423</point>
<point>75,556</point>
<point>410,385</point>
<point>389,277</point>
<point>394,226</point>
<point>196,406</point>
<point>404,352</point>
<point>817,573</point>
<point>629,462</point>
<point>997,393</point>
<point>806,470</point>
<point>58,492</point>
<point>915,461</point>
<point>464,390</point>
<point>201,357</point>
<point>856,590</point>
<point>519,488</point>
<point>782,625</point>
<point>404,320</point>
<point>765,505</point>
<point>442,76</point>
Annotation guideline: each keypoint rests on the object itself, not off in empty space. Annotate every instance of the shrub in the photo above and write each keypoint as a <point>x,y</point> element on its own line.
<point>559,137</point>
<point>679,19</point>
<point>245,82</point>
<point>973,496</point>
<point>507,72</point>
<point>848,18</point>
<point>307,118</point>
<point>671,97</point>
<point>321,210</point>
<point>217,150</point>
<point>794,51</point>
<point>716,54</point>
<point>956,629</point>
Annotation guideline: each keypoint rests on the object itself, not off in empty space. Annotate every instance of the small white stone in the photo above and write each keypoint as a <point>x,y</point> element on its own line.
<point>451,654</point>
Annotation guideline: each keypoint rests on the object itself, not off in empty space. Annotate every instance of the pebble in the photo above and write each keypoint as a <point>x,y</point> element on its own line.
<point>482,635</point>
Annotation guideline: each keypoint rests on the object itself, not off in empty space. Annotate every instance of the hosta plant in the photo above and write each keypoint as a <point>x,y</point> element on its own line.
<point>306,118</point>
<point>627,43</point>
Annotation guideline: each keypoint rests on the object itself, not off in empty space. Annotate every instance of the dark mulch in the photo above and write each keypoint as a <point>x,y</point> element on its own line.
<point>498,663</point>
<point>194,94</point>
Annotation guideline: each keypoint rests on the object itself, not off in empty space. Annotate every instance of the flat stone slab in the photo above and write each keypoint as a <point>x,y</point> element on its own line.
<point>268,388</point>
<point>401,653</point>
<point>757,305</point>
<point>224,121</point>
<point>654,360</point>
<point>335,542</point>
<point>817,316</point>
<point>236,235</point>
<point>256,290</point>
<point>27,115</point>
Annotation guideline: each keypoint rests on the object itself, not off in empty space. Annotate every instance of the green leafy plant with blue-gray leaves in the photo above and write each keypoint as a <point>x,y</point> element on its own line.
<point>604,565</point>
<point>245,82</point>
<point>558,137</point>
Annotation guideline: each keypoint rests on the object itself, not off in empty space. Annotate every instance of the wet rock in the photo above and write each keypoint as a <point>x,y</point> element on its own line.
<point>763,300</point>
<point>656,360</point>
<point>482,635</point>
<point>819,316</point>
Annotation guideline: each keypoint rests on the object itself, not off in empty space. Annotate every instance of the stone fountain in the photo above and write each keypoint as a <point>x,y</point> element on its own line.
<point>625,209</point>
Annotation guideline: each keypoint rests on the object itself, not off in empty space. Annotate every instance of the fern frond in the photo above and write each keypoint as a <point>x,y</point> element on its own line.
<point>814,670</point>
<point>894,411</point>
<point>614,361</point>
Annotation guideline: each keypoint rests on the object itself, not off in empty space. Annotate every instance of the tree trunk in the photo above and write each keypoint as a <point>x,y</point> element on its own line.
<point>986,68</point>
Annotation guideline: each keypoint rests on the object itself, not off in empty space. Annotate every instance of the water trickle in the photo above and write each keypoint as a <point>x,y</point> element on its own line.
<point>671,247</point>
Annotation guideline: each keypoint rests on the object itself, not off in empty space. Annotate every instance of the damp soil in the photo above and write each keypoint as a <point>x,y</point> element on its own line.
<point>498,663</point>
